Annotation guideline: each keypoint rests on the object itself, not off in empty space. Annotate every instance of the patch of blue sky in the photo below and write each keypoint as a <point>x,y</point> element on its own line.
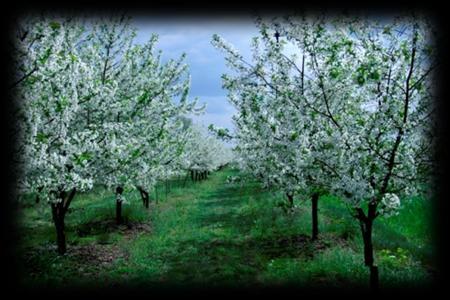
<point>206,64</point>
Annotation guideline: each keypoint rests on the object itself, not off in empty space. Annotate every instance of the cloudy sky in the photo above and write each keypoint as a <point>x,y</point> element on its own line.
<point>193,37</point>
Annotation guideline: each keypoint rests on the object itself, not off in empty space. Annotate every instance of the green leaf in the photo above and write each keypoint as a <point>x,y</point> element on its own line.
<point>42,137</point>
<point>334,73</point>
<point>419,86</point>
<point>293,136</point>
<point>55,25</point>
<point>85,156</point>
<point>405,50</point>
<point>143,98</point>
<point>375,75</point>
<point>45,57</point>
<point>32,79</point>
<point>360,79</point>
<point>62,104</point>
<point>135,153</point>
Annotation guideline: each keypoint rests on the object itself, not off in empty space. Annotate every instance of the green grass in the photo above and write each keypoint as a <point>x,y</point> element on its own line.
<point>216,233</point>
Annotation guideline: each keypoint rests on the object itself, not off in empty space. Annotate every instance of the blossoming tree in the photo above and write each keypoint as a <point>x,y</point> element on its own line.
<point>140,118</point>
<point>362,91</point>
<point>95,109</point>
<point>53,139</point>
<point>278,141</point>
<point>204,153</point>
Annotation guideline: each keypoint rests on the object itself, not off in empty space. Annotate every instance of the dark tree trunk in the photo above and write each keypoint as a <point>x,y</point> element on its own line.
<point>366,224</point>
<point>185,179</point>
<point>290,199</point>
<point>368,255</point>
<point>314,215</point>
<point>59,211</point>
<point>58,220</point>
<point>38,199</point>
<point>119,219</point>
<point>368,246</point>
<point>119,191</point>
<point>144,196</point>
<point>146,199</point>
<point>60,236</point>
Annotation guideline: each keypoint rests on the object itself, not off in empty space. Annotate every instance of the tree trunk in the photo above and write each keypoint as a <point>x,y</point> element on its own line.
<point>314,215</point>
<point>59,210</point>
<point>368,246</point>
<point>290,199</point>
<point>366,228</point>
<point>38,199</point>
<point>119,191</point>
<point>58,220</point>
<point>185,179</point>
<point>119,219</point>
<point>60,236</point>
<point>369,257</point>
<point>144,196</point>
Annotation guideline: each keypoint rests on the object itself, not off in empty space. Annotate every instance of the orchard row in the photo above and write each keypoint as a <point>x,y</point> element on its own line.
<point>96,108</point>
<point>336,105</point>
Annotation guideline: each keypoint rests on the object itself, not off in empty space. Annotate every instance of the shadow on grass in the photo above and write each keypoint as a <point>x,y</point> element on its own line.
<point>110,226</point>
<point>235,261</point>
<point>227,201</point>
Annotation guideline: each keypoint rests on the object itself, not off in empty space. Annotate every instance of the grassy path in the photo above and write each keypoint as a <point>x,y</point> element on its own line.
<point>200,235</point>
<point>213,233</point>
